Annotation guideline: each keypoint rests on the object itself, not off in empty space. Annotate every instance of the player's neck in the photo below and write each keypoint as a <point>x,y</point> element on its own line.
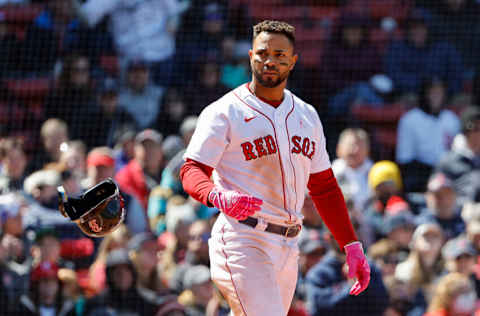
<point>272,96</point>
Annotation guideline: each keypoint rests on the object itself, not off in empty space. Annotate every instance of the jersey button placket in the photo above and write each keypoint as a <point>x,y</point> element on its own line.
<point>284,149</point>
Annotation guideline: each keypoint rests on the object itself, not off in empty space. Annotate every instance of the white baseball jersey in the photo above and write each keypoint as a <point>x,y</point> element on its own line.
<point>262,151</point>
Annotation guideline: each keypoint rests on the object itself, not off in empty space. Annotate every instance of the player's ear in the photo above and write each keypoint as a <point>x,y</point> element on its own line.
<point>250,53</point>
<point>294,61</point>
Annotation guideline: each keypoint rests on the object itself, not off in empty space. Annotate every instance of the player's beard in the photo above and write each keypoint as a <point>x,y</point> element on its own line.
<point>269,83</point>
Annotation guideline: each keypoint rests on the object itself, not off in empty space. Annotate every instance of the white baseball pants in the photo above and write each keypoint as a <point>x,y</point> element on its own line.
<point>256,271</point>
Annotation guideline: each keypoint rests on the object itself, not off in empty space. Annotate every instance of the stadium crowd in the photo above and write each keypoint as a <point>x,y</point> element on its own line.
<point>112,88</point>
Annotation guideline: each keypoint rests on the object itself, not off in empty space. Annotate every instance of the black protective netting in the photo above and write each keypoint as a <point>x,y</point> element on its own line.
<point>395,85</point>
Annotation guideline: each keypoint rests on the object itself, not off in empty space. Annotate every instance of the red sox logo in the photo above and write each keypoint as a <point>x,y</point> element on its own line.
<point>94,226</point>
<point>264,146</point>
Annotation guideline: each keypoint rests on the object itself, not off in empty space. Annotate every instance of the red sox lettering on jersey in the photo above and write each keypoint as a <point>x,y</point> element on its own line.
<point>252,145</point>
<point>263,146</point>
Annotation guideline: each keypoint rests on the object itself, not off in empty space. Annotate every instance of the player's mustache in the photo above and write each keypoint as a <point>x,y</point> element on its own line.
<point>271,70</point>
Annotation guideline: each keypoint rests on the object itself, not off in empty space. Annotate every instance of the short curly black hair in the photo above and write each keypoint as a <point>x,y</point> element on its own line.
<point>278,27</point>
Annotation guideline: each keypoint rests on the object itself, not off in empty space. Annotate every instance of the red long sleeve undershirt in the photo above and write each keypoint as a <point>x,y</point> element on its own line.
<point>322,186</point>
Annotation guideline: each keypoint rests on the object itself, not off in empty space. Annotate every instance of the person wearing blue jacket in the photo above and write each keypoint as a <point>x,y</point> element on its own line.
<point>408,61</point>
<point>327,289</point>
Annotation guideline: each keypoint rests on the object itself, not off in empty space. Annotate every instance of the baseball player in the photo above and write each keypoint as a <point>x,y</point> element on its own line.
<point>264,147</point>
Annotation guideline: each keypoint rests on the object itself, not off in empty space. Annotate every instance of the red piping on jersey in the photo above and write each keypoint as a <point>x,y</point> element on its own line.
<point>230,271</point>
<point>290,154</point>
<point>279,154</point>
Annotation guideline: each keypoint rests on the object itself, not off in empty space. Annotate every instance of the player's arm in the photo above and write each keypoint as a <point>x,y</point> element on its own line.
<point>330,204</point>
<point>195,178</point>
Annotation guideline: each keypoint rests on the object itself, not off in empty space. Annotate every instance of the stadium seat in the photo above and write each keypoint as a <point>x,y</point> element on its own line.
<point>21,14</point>
<point>397,9</point>
<point>31,89</point>
<point>389,114</point>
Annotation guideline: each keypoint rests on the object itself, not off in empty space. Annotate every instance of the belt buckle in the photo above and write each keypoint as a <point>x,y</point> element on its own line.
<point>294,228</point>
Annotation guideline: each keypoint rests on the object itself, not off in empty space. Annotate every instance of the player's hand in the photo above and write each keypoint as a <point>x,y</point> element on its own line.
<point>357,267</point>
<point>234,204</point>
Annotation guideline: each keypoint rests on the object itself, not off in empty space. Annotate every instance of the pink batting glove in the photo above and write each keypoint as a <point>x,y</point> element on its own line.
<point>234,204</point>
<point>357,267</point>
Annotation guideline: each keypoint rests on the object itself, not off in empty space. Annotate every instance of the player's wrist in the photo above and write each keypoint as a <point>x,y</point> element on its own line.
<point>211,197</point>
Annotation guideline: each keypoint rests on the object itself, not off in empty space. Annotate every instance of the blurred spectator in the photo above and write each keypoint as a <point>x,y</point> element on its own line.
<point>51,34</point>
<point>349,56</point>
<point>46,247</point>
<point>142,30</point>
<point>42,186</point>
<point>124,147</point>
<point>462,17</point>
<point>116,240</point>
<point>71,291</point>
<point>73,158</point>
<point>423,264</point>
<point>145,253</point>
<point>204,38</point>
<point>14,277</point>
<point>311,220</point>
<point>13,163</point>
<point>442,207</point>
<point>208,81</point>
<point>174,110</point>
<point>197,252</point>
<point>399,228</point>
<point>313,248</point>
<point>121,294</point>
<point>459,256</point>
<point>110,116</point>
<point>143,249</point>
<point>418,152</point>
<point>408,61</point>
<point>45,293</point>
<point>73,99</point>
<point>235,69</point>
<point>327,288</point>
<point>454,295</point>
<point>101,166</point>
<point>198,290</point>
<point>42,199</point>
<point>8,46</point>
<point>462,164</point>
<point>402,300</point>
<point>353,164</point>
<point>143,172</point>
<point>386,255</point>
<point>139,97</point>
<point>172,145</point>
<point>53,133</point>
<point>178,219</point>
<point>375,92</point>
<point>385,181</point>
<point>170,184</point>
